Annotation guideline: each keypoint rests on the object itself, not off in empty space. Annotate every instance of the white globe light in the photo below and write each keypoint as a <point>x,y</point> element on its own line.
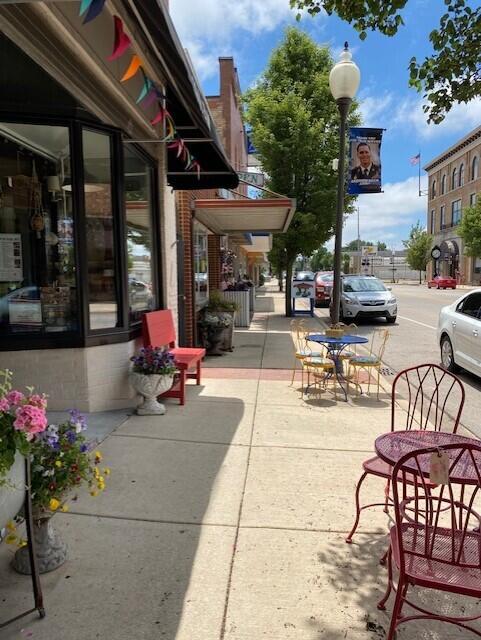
<point>345,76</point>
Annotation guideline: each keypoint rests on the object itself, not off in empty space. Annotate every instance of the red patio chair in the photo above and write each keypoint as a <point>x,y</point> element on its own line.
<point>158,331</point>
<point>428,397</point>
<point>436,541</point>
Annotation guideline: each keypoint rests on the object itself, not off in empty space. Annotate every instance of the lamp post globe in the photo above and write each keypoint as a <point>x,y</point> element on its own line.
<point>344,82</point>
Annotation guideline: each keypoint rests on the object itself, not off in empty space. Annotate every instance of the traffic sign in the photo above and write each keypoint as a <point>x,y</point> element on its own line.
<point>251,177</point>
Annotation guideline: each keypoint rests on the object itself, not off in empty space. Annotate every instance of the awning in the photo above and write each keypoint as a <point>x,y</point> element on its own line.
<point>269,215</point>
<point>187,105</point>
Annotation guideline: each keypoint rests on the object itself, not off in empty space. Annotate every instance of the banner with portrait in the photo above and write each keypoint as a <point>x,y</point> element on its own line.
<point>364,160</point>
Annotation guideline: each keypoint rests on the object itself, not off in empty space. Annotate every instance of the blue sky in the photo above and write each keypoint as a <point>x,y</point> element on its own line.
<point>248,30</point>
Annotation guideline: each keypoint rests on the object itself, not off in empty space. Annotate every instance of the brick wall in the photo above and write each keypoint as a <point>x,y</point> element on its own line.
<point>213,249</point>
<point>184,221</point>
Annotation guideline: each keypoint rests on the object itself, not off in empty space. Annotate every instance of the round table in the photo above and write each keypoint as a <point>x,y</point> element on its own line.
<point>335,346</point>
<point>391,447</point>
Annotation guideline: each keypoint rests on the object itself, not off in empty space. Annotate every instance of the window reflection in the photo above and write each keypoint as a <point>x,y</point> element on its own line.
<point>201,282</point>
<point>102,291</point>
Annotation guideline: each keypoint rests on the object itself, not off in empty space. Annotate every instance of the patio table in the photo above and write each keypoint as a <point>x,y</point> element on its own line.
<point>335,346</point>
<point>392,446</point>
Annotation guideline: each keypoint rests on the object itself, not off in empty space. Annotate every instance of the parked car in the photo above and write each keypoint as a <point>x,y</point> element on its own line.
<point>140,295</point>
<point>459,333</point>
<point>323,288</point>
<point>442,282</point>
<point>366,297</point>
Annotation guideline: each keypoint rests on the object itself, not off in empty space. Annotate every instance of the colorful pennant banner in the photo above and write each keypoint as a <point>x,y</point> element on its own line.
<point>121,40</point>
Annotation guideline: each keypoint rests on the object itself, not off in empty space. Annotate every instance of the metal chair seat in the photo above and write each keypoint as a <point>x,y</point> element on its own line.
<point>319,363</point>
<point>365,361</point>
<point>308,354</point>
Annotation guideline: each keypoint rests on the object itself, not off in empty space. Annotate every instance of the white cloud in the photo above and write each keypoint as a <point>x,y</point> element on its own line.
<point>375,109</point>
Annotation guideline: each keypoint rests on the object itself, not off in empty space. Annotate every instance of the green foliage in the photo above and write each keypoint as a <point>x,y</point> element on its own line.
<point>346,260</point>
<point>418,247</point>
<point>295,128</point>
<point>381,246</point>
<point>353,245</point>
<point>452,73</point>
<point>322,260</point>
<point>470,229</point>
<point>217,302</point>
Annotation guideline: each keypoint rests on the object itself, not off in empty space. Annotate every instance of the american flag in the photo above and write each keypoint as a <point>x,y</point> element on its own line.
<point>415,159</point>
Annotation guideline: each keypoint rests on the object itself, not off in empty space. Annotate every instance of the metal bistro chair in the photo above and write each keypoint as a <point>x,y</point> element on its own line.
<point>425,397</point>
<point>301,348</point>
<point>321,367</point>
<point>371,361</point>
<point>436,541</point>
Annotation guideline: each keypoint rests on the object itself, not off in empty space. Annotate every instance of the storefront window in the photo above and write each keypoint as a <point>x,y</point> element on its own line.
<point>37,256</point>
<point>201,282</point>
<point>100,234</point>
<point>138,205</point>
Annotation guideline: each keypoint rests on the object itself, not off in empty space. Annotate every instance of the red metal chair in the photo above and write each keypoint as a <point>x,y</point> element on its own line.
<point>436,541</point>
<point>158,331</point>
<point>428,397</point>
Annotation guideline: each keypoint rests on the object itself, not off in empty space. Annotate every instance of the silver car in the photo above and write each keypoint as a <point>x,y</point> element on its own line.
<point>366,297</point>
<point>459,333</point>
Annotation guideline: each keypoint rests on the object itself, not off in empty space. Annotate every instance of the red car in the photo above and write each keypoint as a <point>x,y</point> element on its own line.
<point>323,288</point>
<point>442,282</point>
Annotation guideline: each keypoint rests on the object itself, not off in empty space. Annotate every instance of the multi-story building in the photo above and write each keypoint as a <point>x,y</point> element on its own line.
<point>454,181</point>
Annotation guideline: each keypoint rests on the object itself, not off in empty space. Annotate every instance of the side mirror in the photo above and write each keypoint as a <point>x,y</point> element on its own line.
<point>389,288</point>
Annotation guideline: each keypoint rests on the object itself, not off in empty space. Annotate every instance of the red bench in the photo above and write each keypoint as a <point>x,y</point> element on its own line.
<point>158,331</point>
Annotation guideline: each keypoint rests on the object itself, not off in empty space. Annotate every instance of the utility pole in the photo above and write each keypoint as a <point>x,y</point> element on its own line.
<point>358,240</point>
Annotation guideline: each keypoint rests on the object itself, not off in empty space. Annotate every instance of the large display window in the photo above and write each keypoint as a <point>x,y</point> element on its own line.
<point>201,276</point>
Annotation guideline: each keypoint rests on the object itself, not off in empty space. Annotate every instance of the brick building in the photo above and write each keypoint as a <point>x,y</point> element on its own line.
<point>454,181</point>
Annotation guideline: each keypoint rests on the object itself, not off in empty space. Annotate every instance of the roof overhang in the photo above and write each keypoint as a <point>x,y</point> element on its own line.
<point>267,215</point>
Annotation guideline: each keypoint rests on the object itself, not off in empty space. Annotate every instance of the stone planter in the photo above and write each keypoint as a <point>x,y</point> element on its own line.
<point>228,332</point>
<point>12,493</point>
<point>50,549</point>
<point>151,386</point>
<point>214,341</point>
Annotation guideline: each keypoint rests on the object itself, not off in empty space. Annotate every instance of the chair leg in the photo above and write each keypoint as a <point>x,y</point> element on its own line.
<point>198,372</point>
<point>358,508</point>
<point>182,386</point>
<point>381,605</point>
<point>398,603</point>
<point>386,495</point>
<point>294,369</point>
<point>378,381</point>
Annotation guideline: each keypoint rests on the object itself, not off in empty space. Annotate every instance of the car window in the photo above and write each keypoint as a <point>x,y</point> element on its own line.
<point>362,284</point>
<point>471,306</point>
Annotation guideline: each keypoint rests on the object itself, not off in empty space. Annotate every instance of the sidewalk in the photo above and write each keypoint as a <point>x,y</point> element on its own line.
<point>226,518</point>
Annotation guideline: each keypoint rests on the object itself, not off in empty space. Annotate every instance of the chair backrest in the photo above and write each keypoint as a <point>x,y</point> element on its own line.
<point>444,525</point>
<point>298,332</point>
<point>158,329</point>
<point>426,397</point>
<point>378,343</point>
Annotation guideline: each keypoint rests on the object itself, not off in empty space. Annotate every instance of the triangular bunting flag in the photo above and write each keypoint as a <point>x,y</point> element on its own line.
<point>145,89</point>
<point>159,117</point>
<point>121,39</point>
<point>84,5</point>
<point>152,97</point>
<point>94,10</point>
<point>132,69</point>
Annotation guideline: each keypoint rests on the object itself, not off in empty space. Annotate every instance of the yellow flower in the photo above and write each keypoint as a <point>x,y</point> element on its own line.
<point>98,457</point>
<point>54,504</point>
<point>11,538</point>
<point>64,508</point>
<point>107,471</point>
<point>22,543</point>
<point>58,463</point>
<point>94,493</point>
<point>96,473</point>
<point>101,486</point>
<point>10,526</point>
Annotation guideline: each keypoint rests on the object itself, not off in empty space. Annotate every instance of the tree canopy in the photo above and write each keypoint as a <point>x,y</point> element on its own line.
<point>470,229</point>
<point>295,129</point>
<point>418,247</point>
<point>452,73</point>
<point>322,260</point>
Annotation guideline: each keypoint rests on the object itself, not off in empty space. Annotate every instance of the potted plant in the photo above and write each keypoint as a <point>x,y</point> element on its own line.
<point>152,374</point>
<point>61,461</point>
<point>218,305</point>
<point>22,418</point>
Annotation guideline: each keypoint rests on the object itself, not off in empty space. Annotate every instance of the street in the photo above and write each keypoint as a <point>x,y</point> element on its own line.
<point>413,340</point>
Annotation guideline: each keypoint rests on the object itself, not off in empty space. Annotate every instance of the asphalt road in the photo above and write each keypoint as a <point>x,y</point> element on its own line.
<point>413,340</point>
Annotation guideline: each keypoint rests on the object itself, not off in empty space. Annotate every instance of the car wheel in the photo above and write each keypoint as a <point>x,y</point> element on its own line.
<point>391,319</point>
<point>447,355</point>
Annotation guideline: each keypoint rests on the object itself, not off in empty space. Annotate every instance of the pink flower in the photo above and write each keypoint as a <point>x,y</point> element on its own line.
<point>4,404</point>
<point>15,397</point>
<point>37,400</point>
<point>30,419</point>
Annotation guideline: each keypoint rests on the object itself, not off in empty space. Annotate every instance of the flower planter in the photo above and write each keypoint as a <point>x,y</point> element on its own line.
<point>228,332</point>
<point>50,549</point>
<point>12,493</point>
<point>151,386</point>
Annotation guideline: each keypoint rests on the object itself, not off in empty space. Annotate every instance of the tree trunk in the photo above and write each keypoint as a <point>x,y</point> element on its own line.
<point>279,277</point>
<point>420,278</point>
<point>289,288</point>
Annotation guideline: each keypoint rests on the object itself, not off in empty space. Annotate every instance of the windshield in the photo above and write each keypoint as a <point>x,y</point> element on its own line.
<point>363,284</point>
<point>304,275</point>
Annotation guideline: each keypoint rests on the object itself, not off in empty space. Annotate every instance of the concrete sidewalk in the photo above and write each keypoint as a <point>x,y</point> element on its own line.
<point>226,518</point>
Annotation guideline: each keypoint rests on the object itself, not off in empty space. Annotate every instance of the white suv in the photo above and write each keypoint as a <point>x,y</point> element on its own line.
<point>366,297</point>
<point>459,333</point>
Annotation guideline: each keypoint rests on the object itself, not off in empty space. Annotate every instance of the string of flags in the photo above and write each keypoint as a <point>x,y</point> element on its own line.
<point>150,92</point>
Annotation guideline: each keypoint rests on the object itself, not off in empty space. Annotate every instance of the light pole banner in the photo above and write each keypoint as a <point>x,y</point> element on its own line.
<point>364,160</point>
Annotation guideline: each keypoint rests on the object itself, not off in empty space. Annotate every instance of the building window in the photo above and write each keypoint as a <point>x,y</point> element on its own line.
<point>461,175</point>
<point>433,221</point>
<point>454,178</point>
<point>456,212</point>
<point>443,185</point>
<point>140,235</point>
<point>433,189</point>
<point>102,276</point>
<point>475,168</point>
<point>472,199</point>
<point>38,293</point>
<point>201,282</point>
<point>443,217</point>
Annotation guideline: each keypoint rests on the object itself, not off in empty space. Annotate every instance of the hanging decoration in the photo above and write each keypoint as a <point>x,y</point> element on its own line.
<point>149,94</point>
<point>121,40</point>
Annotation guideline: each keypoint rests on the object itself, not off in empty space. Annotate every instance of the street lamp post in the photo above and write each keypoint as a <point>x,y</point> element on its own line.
<point>343,81</point>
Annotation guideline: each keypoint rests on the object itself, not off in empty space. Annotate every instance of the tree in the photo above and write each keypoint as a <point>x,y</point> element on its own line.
<point>353,245</point>
<point>322,260</point>
<point>418,248</point>
<point>295,128</point>
<point>381,246</point>
<point>470,229</point>
<point>452,73</point>
<point>346,262</point>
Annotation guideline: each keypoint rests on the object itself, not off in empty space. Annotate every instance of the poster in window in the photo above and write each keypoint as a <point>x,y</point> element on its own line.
<point>11,264</point>
<point>65,231</point>
<point>27,313</point>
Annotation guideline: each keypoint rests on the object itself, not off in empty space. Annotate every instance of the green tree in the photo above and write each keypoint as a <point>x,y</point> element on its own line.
<point>346,262</point>
<point>381,246</point>
<point>322,260</point>
<point>418,247</point>
<point>353,245</point>
<point>452,73</point>
<point>295,128</point>
<point>470,229</point>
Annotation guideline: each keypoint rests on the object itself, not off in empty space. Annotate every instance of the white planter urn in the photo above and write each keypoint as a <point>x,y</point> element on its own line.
<point>12,492</point>
<point>151,386</point>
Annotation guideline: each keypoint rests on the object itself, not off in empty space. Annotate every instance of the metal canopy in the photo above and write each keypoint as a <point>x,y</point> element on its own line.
<point>269,215</point>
